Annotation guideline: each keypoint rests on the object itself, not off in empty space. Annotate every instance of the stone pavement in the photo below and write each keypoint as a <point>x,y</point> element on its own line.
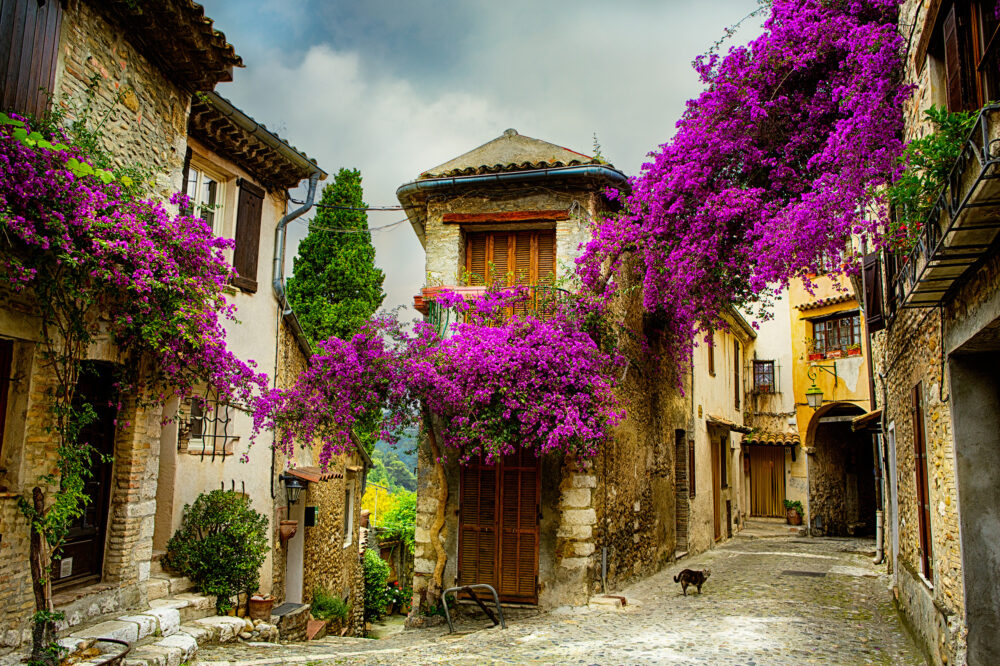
<point>785,600</point>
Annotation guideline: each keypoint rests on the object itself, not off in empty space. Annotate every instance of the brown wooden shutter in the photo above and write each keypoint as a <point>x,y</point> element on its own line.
<point>6,361</point>
<point>519,527</point>
<point>524,257</point>
<point>711,353</point>
<point>475,258</point>
<point>248,214</point>
<point>29,44</point>
<point>736,374</point>
<point>691,483</point>
<point>874,312</point>
<point>923,494</point>
<point>477,529</point>
<point>890,282</point>
<point>501,258</point>
<point>546,268</point>
<point>952,62</point>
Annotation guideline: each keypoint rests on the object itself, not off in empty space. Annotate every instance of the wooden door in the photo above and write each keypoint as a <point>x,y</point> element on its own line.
<point>923,491</point>
<point>498,526</point>
<point>82,556</point>
<point>716,488</point>
<point>767,481</point>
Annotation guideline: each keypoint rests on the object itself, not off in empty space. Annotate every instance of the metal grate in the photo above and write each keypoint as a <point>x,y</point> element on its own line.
<point>810,574</point>
<point>210,423</point>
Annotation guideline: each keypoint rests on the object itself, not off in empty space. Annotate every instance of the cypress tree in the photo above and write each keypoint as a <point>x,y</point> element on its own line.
<point>336,287</point>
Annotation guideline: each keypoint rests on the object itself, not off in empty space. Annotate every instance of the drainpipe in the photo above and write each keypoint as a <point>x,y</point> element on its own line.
<point>278,285</point>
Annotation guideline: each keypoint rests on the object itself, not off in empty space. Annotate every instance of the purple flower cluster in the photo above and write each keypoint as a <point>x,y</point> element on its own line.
<point>771,170</point>
<point>155,279</point>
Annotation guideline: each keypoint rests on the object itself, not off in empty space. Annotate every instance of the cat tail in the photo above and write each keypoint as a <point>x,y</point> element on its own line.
<point>677,578</point>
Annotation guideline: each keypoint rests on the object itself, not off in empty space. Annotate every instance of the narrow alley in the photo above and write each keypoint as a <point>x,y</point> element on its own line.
<point>778,600</point>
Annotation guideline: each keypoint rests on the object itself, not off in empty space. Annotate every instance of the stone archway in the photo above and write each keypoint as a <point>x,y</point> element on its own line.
<point>841,473</point>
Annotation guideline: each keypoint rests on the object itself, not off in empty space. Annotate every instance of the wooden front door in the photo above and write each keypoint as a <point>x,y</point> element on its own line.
<point>767,481</point>
<point>498,526</point>
<point>81,559</point>
<point>716,488</point>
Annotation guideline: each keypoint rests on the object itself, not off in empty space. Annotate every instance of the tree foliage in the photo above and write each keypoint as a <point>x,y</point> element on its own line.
<point>336,287</point>
<point>376,573</point>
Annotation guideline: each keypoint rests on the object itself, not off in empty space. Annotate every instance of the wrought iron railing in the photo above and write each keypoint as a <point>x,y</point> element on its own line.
<point>941,255</point>
<point>541,301</point>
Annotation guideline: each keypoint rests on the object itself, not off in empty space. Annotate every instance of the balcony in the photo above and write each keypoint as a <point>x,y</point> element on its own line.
<point>963,225</point>
<point>541,301</point>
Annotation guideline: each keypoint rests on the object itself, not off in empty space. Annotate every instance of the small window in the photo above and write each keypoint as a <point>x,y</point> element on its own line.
<point>711,353</point>
<point>763,377</point>
<point>209,428</point>
<point>349,513</point>
<point>206,192</point>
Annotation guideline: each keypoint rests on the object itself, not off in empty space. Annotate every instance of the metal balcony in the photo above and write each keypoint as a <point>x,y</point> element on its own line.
<point>964,224</point>
<point>542,302</point>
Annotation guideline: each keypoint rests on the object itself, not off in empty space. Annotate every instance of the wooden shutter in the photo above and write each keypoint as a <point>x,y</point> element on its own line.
<point>736,374</point>
<point>952,63</point>
<point>691,483</point>
<point>874,311</point>
<point>248,214</point>
<point>890,282</point>
<point>525,263</point>
<point>546,261</point>
<point>6,361</point>
<point>475,258</point>
<point>501,256</point>
<point>477,529</point>
<point>711,353</point>
<point>923,494</point>
<point>29,44</point>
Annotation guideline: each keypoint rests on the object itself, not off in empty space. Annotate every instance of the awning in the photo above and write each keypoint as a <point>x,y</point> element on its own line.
<point>313,474</point>
<point>723,423</point>
<point>872,421</point>
<point>761,438</point>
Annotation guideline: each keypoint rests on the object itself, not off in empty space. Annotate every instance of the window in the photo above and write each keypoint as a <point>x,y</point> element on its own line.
<point>763,377</point>
<point>737,360</point>
<point>837,333</point>
<point>510,257</point>
<point>349,512</point>
<point>208,429</point>
<point>247,246</point>
<point>6,362</point>
<point>724,462</point>
<point>923,494</point>
<point>691,484</point>
<point>711,353</point>
<point>206,192</point>
<point>963,41</point>
<point>28,53</point>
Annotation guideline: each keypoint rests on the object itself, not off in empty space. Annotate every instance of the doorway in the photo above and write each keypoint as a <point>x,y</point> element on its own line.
<point>716,486</point>
<point>498,528</point>
<point>841,474</point>
<point>81,559</point>
<point>767,481</point>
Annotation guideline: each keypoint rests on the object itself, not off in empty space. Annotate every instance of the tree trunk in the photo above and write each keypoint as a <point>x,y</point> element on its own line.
<point>437,580</point>
<point>43,632</point>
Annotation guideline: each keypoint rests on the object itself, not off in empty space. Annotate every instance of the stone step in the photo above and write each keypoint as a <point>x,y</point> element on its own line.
<point>189,605</point>
<point>184,645</point>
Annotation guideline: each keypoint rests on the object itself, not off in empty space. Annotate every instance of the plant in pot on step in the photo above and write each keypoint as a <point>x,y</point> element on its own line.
<point>329,608</point>
<point>220,545</point>
<point>793,512</point>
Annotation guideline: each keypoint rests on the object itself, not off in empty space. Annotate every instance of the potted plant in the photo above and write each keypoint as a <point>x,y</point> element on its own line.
<point>259,607</point>
<point>793,512</point>
<point>854,349</point>
<point>331,609</point>
<point>813,353</point>
<point>834,353</point>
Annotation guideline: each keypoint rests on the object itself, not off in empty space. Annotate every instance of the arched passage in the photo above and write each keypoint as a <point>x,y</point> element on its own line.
<point>841,473</point>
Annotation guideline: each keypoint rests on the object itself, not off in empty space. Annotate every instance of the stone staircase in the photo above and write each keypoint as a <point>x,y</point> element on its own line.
<point>764,528</point>
<point>170,632</point>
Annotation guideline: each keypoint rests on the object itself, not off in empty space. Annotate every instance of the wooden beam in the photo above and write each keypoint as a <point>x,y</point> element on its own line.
<point>506,216</point>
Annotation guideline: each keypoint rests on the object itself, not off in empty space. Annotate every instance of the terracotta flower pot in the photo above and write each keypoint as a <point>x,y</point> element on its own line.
<point>260,608</point>
<point>287,529</point>
<point>817,356</point>
<point>854,352</point>
<point>836,353</point>
<point>793,517</point>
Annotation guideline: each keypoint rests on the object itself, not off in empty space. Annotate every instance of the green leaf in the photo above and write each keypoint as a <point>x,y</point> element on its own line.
<point>105,176</point>
<point>20,134</point>
<point>7,120</point>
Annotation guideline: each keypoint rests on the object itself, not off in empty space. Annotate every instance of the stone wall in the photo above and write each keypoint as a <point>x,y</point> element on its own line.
<point>148,126</point>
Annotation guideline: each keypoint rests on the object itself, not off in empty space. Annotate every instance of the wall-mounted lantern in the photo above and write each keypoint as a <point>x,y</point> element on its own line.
<point>814,394</point>
<point>293,487</point>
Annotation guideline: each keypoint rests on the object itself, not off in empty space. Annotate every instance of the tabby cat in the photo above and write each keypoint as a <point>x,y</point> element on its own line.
<point>692,577</point>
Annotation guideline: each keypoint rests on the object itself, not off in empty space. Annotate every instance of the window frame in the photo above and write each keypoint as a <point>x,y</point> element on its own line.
<point>822,331</point>
<point>757,375</point>
<point>348,521</point>
<point>221,179</point>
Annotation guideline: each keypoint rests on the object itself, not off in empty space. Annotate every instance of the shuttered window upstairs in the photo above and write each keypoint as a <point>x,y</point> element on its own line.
<point>29,44</point>
<point>248,214</point>
<point>498,526</point>
<point>507,258</point>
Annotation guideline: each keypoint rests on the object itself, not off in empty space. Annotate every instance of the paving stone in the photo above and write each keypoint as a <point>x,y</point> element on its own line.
<point>148,624</point>
<point>122,631</point>
<point>169,619</point>
<point>224,629</point>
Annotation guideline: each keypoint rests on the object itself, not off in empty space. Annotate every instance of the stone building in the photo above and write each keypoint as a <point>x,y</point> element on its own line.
<point>937,358</point>
<point>69,48</point>
<point>709,485</point>
<point>526,206</point>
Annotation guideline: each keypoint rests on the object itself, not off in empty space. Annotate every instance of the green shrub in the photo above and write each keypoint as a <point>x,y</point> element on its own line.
<point>796,505</point>
<point>220,546</point>
<point>376,589</point>
<point>328,606</point>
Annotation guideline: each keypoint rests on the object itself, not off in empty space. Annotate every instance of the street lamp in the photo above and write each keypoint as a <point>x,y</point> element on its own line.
<point>293,486</point>
<point>814,394</point>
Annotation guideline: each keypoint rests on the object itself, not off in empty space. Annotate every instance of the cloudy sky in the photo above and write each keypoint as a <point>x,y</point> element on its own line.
<point>394,87</point>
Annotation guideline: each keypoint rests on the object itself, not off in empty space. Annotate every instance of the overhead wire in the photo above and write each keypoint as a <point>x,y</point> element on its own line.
<point>336,230</point>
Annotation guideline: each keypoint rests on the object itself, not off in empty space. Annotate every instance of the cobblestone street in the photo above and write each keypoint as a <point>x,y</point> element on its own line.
<point>768,601</point>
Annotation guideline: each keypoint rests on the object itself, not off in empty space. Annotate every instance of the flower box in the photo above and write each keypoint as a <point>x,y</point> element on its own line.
<point>854,351</point>
<point>815,356</point>
<point>835,353</point>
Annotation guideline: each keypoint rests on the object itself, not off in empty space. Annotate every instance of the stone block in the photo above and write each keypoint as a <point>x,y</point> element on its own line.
<point>122,631</point>
<point>423,565</point>
<point>576,497</point>
<point>168,619</point>
<point>148,624</point>
<point>574,562</point>
<point>583,481</point>
<point>605,603</point>
<point>582,548</point>
<point>421,535</point>
<point>179,584</point>
<point>186,644</point>
<point>427,504</point>
<point>575,531</point>
<point>579,517</point>
<point>224,629</point>
<point>199,633</point>
<point>140,509</point>
<point>157,588</point>
<point>151,655</point>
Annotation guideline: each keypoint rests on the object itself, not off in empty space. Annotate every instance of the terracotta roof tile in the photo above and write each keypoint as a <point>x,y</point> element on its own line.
<point>771,438</point>
<point>830,300</point>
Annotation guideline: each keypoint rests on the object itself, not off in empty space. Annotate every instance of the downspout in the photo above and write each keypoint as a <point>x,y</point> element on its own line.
<point>278,285</point>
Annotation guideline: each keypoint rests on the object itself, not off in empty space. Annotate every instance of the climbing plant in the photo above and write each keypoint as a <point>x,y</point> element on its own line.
<point>98,261</point>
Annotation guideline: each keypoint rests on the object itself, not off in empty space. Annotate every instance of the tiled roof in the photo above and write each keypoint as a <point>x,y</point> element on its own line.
<point>771,438</point>
<point>314,474</point>
<point>830,300</point>
<point>510,152</point>
<point>227,130</point>
<point>178,37</point>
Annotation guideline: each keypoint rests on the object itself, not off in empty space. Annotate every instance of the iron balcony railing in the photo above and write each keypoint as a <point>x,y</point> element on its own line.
<point>540,301</point>
<point>965,221</point>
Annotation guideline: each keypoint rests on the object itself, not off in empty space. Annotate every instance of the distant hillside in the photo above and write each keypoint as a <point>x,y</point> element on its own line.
<point>405,450</point>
